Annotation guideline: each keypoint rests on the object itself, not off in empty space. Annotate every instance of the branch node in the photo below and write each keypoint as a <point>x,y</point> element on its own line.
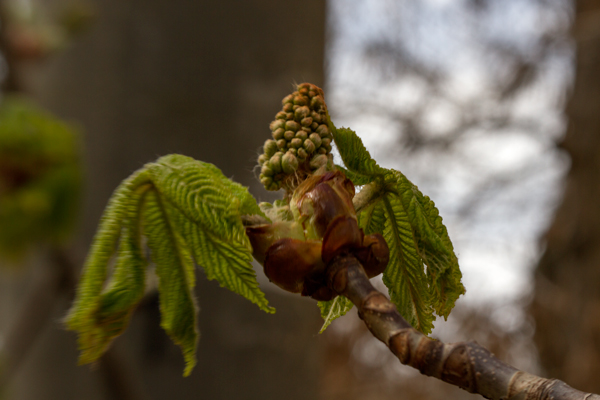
<point>457,368</point>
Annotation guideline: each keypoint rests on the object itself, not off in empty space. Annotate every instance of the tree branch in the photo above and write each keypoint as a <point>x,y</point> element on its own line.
<point>466,364</point>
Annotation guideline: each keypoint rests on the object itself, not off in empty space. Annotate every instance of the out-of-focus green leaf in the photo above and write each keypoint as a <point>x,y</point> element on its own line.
<point>40,177</point>
<point>332,309</point>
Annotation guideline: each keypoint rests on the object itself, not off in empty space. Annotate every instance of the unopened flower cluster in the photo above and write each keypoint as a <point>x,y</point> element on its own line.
<point>301,140</point>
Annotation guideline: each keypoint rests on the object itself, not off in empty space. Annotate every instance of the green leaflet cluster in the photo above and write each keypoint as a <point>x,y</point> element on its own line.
<point>188,211</point>
<point>422,275</point>
<point>40,177</point>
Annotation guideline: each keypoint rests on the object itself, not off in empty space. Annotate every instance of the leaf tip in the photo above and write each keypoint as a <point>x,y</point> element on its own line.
<point>190,363</point>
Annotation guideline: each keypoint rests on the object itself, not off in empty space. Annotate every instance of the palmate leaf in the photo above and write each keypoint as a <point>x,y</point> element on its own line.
<point>372,218</point>
<point>175,271</point>
<point>433,242</point>
<point>404,275</point>
<point>356,157</point>
<point>208,208</point>
<point>413,229</point>
<point>100,314</point>
<point>187,210</point>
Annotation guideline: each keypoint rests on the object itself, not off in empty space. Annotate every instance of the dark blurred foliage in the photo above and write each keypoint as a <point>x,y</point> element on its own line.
<point>40,178</point>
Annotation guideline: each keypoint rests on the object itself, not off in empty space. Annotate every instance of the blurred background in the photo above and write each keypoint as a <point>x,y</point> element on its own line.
<point>490,107</point>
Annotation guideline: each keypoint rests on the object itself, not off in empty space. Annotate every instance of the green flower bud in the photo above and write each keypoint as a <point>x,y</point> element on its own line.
<point>316,103</point>
<point>326,142</point>
<point>322,130</point>
<point>295,107</point>
<point>318,161</point>
<point>289,135</point>
<point>306,121</point>
<point>287,99</point>
<point>278,123</point>
<point>292,126</point>
<point>262,159</point>
<point>301,112</point>
<point>312,93</point>
<point>270,147</point>
<point>314,126</point>
<point>278,134</point>
<point>316,139</point>
<point>302,155</point>
<point>266,171</point>
<point>280,115</point>
<point>296,143</point>
<point>305,85</point>
<point>289,163</point>
<point>322,150</point>
<point>275,162</point>
<point>316,117</point>
<point>290,115</point>
<point>266,181</point>
<point>300,100</point>
<point>309,146</point>
<point>302,135</point>
<point>292,151</point>
<point>281,143</point>
<point>288,107</point>
<point>303,90</point>
<point>306,129</point>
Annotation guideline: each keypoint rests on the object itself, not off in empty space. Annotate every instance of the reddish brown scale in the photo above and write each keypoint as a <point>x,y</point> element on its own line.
<point>261,238</point>
<point>330,197</point>
<point>289,262</point>
<point>316,287</point>
<point>343,234</point>
<point>374,254</point>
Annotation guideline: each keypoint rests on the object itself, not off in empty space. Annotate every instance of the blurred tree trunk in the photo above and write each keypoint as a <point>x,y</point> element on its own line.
<point>566,305</point>
<point>201,78</point>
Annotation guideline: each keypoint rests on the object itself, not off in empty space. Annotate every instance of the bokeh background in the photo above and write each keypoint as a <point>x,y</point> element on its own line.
<point>491,107</point>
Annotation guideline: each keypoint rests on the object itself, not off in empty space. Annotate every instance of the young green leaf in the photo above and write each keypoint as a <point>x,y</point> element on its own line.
<point>433,243</point>
<point>187,209</point>
<point>361,166</point>
<point>332,309</point>
<point>176,275</point>
<point>413,229</point>
<point>405,275</point>
<point>209,208</point>
<point>372,218</point>
<point>100,315</point>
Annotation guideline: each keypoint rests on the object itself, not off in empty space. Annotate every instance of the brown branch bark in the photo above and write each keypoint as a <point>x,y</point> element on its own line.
<point>466,364</point>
